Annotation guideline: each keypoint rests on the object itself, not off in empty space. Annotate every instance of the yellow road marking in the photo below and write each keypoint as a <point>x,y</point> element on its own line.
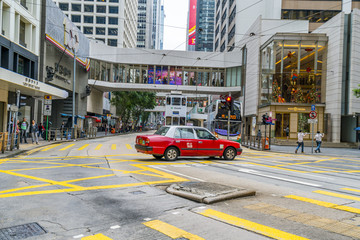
<point>252,226</point>
<point>98,236</point>
<point>113,146</point>
<point>337,195</point>
<point>69,146</point>
<point>170,230</point>
<point>98,147</point>
<point>51,147</point>
<point>41,179</point>
<point>83,147</point>
<point>128,146</point>
<point>351,189</point>
<point>325,204</point>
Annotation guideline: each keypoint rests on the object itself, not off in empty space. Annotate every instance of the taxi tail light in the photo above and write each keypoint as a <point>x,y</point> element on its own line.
<point>147,142</point>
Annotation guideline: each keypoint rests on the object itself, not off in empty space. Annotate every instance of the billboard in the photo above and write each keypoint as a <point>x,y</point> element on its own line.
<point>192,22</point>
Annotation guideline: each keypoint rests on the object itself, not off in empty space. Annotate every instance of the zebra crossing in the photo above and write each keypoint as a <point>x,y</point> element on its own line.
<point>87,146</point>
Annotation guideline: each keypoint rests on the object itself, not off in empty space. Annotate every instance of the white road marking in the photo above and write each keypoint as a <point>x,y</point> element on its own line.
<point>115,227</point>
<point>198,179</point>
<point>78,236</point>
<point>180,166</point>
<point>278,178</point>
<point>147,219</point>
<point>175,213</point>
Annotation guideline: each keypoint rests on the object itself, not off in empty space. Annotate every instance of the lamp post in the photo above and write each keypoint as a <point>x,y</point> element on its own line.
<point>73,97</point>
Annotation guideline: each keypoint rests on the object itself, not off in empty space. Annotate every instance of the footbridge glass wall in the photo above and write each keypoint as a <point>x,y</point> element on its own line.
<point>163,74</point>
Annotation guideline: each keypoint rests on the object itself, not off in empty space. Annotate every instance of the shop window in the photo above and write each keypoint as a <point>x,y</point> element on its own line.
<point>303,124</point>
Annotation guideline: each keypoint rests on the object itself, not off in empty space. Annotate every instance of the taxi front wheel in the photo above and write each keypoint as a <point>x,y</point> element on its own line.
<point>230,153</point>
<point>171,154</point>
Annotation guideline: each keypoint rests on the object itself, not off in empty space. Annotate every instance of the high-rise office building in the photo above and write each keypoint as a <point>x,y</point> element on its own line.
<point>150,25</point>
<point>201,20</point>
<point>234,17</point>
<point>112,21</point>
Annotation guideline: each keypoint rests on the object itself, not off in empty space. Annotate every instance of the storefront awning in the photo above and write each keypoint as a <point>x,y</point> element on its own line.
<point>70,115</point>
<point>12,81</point>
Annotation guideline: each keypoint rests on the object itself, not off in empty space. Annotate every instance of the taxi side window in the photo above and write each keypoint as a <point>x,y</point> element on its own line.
<point>203,134</point>
<point>185,133</point>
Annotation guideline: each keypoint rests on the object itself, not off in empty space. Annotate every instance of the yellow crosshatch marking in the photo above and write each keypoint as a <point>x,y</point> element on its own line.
<point>98,236</point>
<point>69,146</point>
<point>83,147</point>
<point>113,146</point>
<point>128,146</point>
<point>98,147</point>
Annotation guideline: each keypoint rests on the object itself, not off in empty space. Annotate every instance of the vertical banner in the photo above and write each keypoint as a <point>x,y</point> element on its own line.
<point>192,22</point>
<point>150,74</point>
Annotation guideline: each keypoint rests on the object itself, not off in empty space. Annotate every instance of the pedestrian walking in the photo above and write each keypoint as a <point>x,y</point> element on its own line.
<point>287,131</point>
<point>300,141</point>
<point>258,137</point>
<point>24,125</point>
<point>318,137</point>
<point>34,132</point>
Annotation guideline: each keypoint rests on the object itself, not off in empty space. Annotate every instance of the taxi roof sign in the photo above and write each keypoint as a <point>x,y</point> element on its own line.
<point>47,97</point>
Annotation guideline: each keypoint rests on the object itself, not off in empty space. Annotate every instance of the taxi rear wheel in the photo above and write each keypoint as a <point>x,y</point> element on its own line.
<point>171,154</point>
<point>230,153</point>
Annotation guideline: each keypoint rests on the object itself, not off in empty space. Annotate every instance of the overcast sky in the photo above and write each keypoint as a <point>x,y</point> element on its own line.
<point>175,24</point>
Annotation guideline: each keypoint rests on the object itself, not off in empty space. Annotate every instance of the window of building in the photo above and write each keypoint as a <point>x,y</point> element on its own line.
<point>223,17</point>
<point>4,57</point>
<point>88,30</point>
<point>101,9</point>
<point>101,0</point>
<point>113,20</point>
<point>88,0</point>
<point>88,8</point>
<point>88,19</point>
<point>100,31</point>
<point>216,44</point>
<point>115,1</point>
<point>64,6</point>
<point>222,48</point>
<point>232,15</point>
<point>100,39</point>
<point>113,9</point>
<point>101,20</point>
<point>231,33</point>
<point>113,31</point>
<point>76,7</point>
<point>112,42</point>
<point>76,18</point>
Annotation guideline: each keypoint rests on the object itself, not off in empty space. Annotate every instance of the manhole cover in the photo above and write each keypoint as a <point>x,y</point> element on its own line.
<point>21,231</point>
<point>137,192</point>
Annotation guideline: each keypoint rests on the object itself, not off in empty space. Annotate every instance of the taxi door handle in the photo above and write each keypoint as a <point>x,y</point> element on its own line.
<point>200,141</point>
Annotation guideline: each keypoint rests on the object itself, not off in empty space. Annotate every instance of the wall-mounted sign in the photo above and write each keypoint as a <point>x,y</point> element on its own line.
<point>296,109</point>
<point>62,73</point>
<point>31,83</point>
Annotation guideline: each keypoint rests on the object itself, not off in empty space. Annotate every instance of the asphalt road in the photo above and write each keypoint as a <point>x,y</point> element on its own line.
<point>103,189</point>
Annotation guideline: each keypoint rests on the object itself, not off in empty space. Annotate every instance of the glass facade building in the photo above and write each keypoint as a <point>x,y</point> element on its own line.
<point>205,22</point>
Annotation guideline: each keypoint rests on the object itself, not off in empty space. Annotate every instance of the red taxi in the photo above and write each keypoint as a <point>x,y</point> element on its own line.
<point>174,141</point>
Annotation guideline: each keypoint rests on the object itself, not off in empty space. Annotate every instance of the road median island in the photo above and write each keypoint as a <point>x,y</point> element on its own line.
<point>207,192</point>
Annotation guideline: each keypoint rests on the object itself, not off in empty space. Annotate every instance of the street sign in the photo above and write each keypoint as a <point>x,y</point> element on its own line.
<point>48,97</point>
<point>48,102</point>
<point>14,108</point>
<point>313,114</point>
<point>47,109</point>
<point>312,107</point>
<point>312,120</point>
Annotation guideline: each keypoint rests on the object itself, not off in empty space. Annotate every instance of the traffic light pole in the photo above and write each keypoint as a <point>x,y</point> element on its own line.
<point>73,99</point>
<point>228,125</point>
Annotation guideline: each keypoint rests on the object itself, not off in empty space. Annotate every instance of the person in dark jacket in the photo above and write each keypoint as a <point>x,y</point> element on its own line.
<point>34,132</point>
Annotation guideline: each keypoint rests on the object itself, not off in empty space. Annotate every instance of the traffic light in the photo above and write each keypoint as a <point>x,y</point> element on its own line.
<point>229,102</point>
<point>265,119</point>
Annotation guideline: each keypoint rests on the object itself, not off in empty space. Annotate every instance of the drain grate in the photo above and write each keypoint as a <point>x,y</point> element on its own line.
<point>137,192</point>
<point>21,231</point>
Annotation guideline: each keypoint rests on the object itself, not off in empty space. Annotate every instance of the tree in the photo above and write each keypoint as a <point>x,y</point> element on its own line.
<point>357,92</point>
<point>132,105</point>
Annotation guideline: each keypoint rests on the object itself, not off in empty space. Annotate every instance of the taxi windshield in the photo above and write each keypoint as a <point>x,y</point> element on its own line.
<point>162,131</point>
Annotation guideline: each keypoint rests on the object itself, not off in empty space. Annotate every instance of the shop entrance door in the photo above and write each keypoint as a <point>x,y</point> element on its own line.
<point>282,121</point>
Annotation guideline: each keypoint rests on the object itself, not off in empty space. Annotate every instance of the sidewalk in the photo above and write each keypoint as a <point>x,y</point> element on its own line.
<point>29,146</point>
<point>338,152</point>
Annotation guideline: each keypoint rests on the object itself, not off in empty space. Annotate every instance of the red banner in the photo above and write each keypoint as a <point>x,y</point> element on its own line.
<point>192,22</point>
